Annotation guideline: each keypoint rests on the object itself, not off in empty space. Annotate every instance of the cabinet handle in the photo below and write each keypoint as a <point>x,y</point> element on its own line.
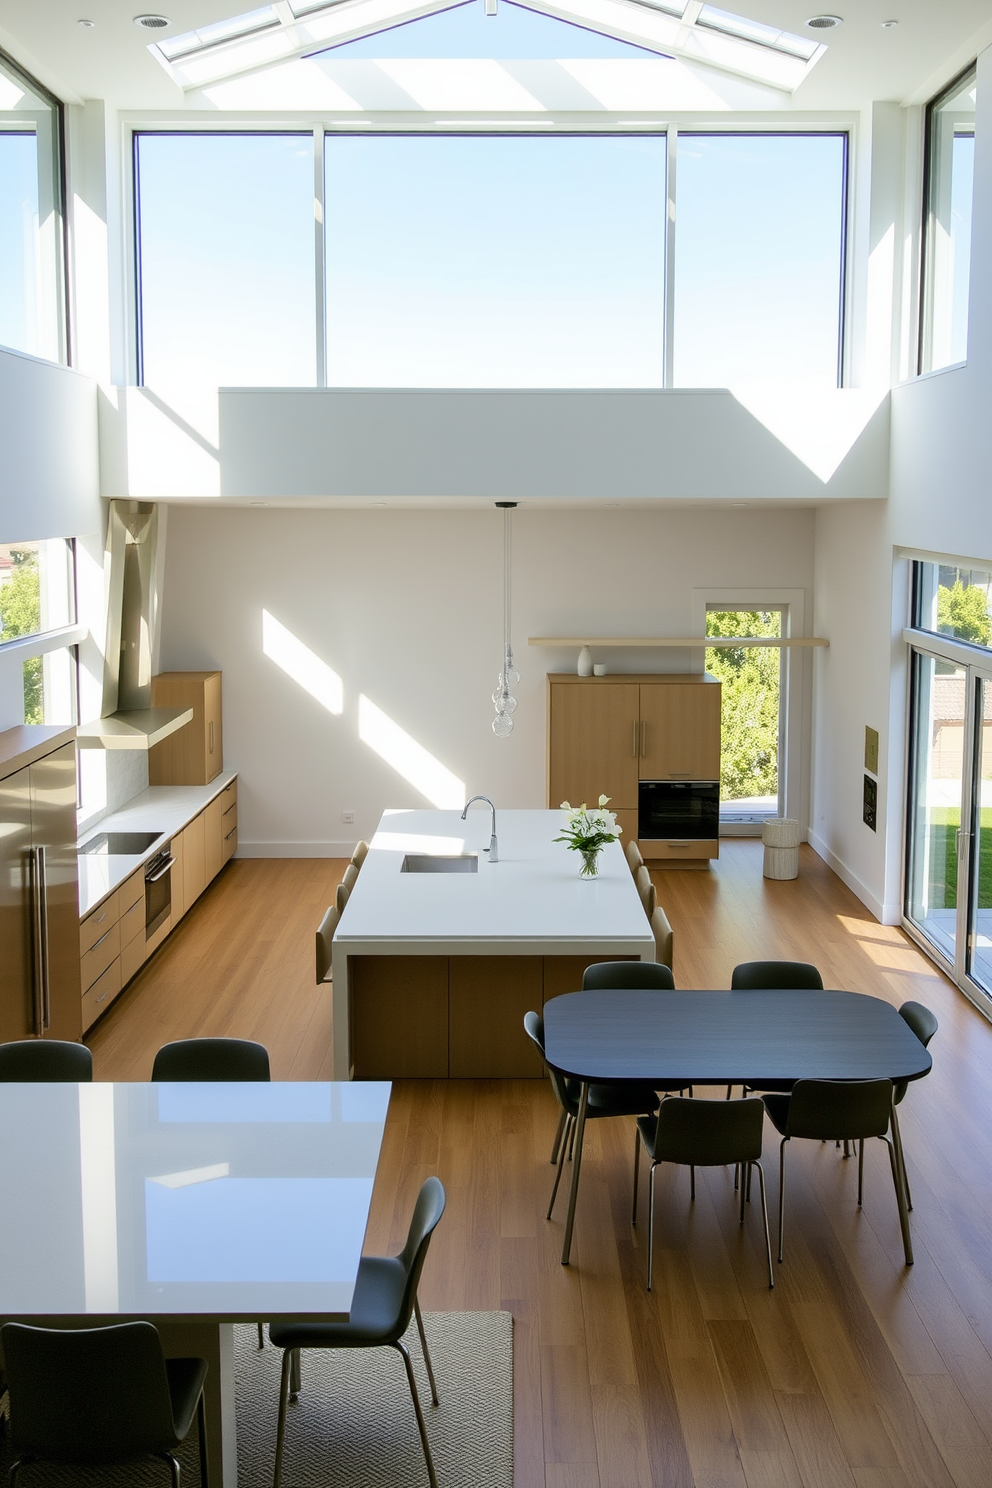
<point>634,744</point>
<point>644,738</point>
<point>101,940</point>
<point>680,774</point>
<point>210,733</point>
<point>230,834</point>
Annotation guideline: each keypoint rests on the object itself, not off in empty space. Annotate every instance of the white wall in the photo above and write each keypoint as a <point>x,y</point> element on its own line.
<point>406,608</point>
<point>49,480</point>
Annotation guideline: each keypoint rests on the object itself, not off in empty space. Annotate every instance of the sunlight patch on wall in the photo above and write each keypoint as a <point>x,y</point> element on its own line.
<point>303,665</point>
<point>408,758</point>
<point>820,429</point>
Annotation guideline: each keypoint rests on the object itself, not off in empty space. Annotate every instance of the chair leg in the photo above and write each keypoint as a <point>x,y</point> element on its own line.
<point>692,1183</point>
<point>15,1468</point>
<point>201,1432</point>
<point>861,1170</point>
<point>559,1133</point>
<point>651,1173</point>
<point>281,1427</point>
<point>419,1413</point>
<point>901,1157</point>
<point>173,1468</point>
<point>637,1169</point>
<point>562,1147</point>
<point>764,1220</point>
<point>743,1186</point>
<point>571,1138</point>
<point>781,1198</point>
<point>261,1335</point>
<point>295,1375</point>
<point>907,1239</point>
<point>427,1352</point>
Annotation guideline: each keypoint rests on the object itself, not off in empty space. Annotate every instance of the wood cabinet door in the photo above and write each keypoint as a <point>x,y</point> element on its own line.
<point>213,837</point>
<point>680,731</point>
<point>194,861</point>
<point>593,744</point>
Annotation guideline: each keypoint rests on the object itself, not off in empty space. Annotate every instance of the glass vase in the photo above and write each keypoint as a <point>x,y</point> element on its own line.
<point>590,864</point>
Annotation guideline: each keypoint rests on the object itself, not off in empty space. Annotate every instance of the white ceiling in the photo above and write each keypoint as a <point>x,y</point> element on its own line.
<point>864,61</point>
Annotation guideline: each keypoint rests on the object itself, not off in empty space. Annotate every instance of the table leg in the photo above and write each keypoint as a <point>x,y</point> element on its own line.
<point>580,1128</point>
<point>215,1343</point>
<point>900,1184</point>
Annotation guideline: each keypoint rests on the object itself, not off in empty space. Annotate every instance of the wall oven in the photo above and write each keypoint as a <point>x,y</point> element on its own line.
<point>158,890</point>
<point>678,811</point>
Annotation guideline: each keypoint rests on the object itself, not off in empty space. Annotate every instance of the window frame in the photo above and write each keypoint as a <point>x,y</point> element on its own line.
<point>924,298</point>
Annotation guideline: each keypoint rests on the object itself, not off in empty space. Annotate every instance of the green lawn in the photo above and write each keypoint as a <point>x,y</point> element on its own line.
<point>944,822</point>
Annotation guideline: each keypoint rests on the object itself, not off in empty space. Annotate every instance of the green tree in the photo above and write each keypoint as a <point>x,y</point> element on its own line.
<point>750,704</point>
<point>962,611</point>
<point>20,614</point>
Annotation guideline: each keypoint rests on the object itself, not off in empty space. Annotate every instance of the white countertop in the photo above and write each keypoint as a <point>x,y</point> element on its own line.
<point>533,894</point>
<point>165,809</point>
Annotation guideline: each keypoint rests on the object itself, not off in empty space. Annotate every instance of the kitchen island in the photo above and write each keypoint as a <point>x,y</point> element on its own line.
<point>433,971</point>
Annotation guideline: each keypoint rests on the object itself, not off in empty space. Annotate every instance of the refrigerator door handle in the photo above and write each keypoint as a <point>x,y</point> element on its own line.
<point>46,986</point>
<point>37,933</point>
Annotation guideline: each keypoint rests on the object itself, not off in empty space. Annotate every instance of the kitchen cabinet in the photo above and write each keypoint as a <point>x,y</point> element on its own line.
<point>39,900</point>
<point>221,830</point>
<point>111,947</point>
<point>605,735</point>
<point>194,754</point>
<point>194,862</point>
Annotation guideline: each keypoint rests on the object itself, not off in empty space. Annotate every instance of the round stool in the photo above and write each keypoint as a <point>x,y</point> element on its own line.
<point>781,840</point>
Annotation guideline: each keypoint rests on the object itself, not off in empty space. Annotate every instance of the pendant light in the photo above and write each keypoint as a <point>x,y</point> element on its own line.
<point>503,700</point>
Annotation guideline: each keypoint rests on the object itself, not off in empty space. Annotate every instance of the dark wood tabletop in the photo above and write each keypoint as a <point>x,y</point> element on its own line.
<point>719,1038</point>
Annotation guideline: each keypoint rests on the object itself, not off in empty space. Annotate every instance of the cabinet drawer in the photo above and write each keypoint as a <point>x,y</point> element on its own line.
<point>134,954</point>
<point>99,956</point>
<point>131,891</point>
<point>133,922</point>
<point>96,925</point>
<point>230,818</point>
<point>102,993</point>
<point>229,795</point>
<point>230,844</point>
<point>672,852</point>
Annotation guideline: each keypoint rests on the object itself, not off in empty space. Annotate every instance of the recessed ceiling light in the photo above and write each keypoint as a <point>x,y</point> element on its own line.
<point>87,24</point>
<point>260,503</point>
<point>887,25</point>
<point>152,22</point>
<point>824,22</point>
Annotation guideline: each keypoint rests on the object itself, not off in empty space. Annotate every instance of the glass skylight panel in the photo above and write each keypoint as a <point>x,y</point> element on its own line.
<point>302,8</point>
<point>754,31</point>
<point>465,32</point>
<point>174,47</point>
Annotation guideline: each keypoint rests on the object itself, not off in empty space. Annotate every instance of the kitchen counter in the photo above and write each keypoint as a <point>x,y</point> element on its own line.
<point>530,906</point>
<point>165,809</point>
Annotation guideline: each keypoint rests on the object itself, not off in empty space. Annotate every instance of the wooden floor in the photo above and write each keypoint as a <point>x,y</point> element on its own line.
<point>855,1370</point>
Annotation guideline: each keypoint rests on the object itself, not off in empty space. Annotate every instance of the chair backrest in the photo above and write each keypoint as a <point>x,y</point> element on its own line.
<point>426,1213</point>
<point>606,975</point>
<point>323,939</point>
<point>211,1059</point>
<point>646,889</point>
<point>350,877</point>
<point>45,1060</point>
<point>708,1133</point>
<point>341,897</point>
<point>664,938</point>
<point>829,1110</point>
<point>919,1017</point>
<point>761,976</point>
<point>87,1394</point>
<point>360,854</point>
<point>534,1028</point>
<point>634,856</point>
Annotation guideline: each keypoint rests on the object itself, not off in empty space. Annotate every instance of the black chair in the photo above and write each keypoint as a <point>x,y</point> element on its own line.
<point>225,1059</point>
<point>211,1059</point>
<point>703,1134</point>
<point>99,1396</point>
<point>615,1098</point>
<point>923,1023</point>
<point>761,976</point>
<point>49,1061</point>
<point>385,1298</point>
<point>612,975</point>
<point>845,1110</point>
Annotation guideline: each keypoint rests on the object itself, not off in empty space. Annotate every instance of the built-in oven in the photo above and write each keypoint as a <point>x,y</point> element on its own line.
<point>678,811</point>
<point>158,889</point>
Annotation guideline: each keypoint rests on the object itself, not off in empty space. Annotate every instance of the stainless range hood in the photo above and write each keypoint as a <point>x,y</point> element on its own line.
<point>129,721</point>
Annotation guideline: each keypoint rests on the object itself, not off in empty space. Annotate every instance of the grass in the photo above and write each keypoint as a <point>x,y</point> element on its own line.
<point>944,823</point>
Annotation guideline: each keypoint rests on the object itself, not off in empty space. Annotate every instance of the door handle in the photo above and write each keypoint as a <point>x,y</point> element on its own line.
<point>644,737</point>
<point>34,892</point>
<point>210,732</point>
<point>634,741</point>
<point>154,877</point>
<point>46,989</point>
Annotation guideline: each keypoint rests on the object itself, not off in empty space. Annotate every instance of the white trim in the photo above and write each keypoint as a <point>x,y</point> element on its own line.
<point>44,641</point>
<point>885,914</point>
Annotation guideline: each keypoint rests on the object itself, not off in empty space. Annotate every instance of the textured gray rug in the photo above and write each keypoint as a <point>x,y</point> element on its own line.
<point>353,1426</point>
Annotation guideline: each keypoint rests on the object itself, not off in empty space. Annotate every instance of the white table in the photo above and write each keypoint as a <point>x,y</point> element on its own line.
<point>193,1205</point>
<point>529,903</point>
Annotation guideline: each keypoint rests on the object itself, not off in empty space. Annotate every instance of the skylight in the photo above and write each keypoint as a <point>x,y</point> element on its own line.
<point>295,29</point>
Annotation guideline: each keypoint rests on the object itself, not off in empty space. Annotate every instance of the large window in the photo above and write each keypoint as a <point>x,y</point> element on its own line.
<point>759,258</point>
<point>37,606</point>
<point>949,170</point>
<point>226,278</point>
<point>751,724</point>
<point>490,260</point>
<point>32,255</point>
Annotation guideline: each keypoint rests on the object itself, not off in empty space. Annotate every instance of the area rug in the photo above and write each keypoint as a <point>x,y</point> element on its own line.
<point>353,1426</point>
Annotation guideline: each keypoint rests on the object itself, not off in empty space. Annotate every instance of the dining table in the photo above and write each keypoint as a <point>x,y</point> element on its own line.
<point>727,1038</point>
<point>193,1205</point>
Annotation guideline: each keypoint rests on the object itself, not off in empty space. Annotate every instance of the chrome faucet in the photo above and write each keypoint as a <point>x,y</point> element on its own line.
<point>491,849</point>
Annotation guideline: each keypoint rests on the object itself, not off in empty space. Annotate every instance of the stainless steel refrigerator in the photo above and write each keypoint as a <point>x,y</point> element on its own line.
<point>39,894</point>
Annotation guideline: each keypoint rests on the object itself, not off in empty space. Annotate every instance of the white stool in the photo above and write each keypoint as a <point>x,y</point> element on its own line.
<point>781,839</point>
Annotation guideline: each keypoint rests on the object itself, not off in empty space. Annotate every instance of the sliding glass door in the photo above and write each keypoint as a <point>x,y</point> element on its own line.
<point>979,929</point>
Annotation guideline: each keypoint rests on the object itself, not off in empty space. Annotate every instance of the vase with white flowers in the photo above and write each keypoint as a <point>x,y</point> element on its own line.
<point>587,831</point>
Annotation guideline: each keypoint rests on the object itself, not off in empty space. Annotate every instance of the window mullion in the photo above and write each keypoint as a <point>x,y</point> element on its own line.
<point>319,254</point>
<point>668,375</point>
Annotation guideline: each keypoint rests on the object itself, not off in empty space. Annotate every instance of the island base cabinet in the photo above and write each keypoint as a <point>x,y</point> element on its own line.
<point>398,1017</point>
<point>487,999</point>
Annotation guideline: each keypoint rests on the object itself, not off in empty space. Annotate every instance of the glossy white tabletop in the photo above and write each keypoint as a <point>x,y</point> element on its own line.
<point>227,1201</point>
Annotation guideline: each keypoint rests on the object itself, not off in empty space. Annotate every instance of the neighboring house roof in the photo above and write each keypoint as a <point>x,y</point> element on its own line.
<point>949,698</point>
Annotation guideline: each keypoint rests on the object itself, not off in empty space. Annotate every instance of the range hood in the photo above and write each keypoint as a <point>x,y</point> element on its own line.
<point>128,720</point>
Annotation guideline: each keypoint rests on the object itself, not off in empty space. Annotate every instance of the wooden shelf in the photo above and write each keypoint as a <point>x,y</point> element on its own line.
<point>687,641</point>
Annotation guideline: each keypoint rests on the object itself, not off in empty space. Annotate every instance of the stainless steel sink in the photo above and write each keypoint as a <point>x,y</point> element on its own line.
<point>437,863</point>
